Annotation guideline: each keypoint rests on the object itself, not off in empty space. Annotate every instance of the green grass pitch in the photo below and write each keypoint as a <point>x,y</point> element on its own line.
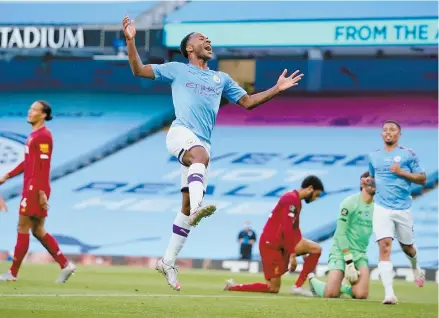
<point>130,292</point>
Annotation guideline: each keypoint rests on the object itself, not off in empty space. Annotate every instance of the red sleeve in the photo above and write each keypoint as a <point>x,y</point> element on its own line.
<point>290,210</point>
<point>44,155</point>
<point>17,170</point>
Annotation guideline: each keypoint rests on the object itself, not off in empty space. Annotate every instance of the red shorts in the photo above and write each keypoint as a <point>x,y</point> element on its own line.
<point>30,205</point>
<point>275,261</point>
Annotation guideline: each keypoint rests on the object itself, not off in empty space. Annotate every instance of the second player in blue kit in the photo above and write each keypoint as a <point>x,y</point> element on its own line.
<point>395,168</point>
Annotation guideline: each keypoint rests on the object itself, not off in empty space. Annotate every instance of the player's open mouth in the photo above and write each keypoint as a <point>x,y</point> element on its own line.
<point>208,48</point>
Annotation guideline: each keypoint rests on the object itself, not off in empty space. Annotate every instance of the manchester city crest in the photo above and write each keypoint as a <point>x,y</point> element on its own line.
<point>216,78</point>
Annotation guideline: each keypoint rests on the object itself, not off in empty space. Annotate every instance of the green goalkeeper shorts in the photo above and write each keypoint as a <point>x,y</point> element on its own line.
<point>336,261</point>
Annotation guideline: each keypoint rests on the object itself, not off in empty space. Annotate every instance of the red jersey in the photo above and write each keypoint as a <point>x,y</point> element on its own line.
<point>36,164</point>
<point>282,228</point>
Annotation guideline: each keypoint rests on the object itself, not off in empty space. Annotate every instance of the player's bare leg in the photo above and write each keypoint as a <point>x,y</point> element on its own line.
<point>360,290</point>
<point>386,271</point>
<point>334,286</point>
<point>21,248</point>
<point>51,245</point>
<point>412,255</point>
<point>313,251</point>
<point>197,159</point>
<point>180,231</point>
<point>271,286</point>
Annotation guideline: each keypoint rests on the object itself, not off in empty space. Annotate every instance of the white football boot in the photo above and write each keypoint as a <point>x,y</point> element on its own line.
<point>170,273</point>
<point>201,213</point>
<point>66,272</point>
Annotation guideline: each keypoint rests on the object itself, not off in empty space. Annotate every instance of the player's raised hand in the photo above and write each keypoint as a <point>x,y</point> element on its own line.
<point>44,203</point>
<point>284,83</point>
<point>128,28</point>
<point>3,206</point>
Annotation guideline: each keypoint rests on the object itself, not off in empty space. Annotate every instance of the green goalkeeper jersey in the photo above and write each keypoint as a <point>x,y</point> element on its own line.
<point>354,226</point>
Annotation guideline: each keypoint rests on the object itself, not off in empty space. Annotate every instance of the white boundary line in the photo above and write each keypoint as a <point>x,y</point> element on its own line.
<point>271,297</point>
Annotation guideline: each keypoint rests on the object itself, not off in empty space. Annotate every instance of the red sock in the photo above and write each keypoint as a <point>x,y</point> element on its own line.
<point>255,287</point>
<point>309,266</point>
<point>20,251</point>
<point>52,247</point>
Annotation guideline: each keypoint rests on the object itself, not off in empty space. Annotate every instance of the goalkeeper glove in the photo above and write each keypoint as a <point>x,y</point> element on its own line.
<point>351,272</point>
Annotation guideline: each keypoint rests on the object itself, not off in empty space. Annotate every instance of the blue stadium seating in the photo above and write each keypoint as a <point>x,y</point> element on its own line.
<point>82,122</point>
<point>67,13</point>
<point>125,204</point>
<point>296,10</point>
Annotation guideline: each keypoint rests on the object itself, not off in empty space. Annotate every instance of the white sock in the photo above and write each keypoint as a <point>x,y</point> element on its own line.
<point>195,181</point>
<point>180,231</point>
<point>386,273</point>
<point>414,261</point>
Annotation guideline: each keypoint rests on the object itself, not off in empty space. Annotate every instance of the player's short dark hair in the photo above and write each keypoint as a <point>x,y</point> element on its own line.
<point>46,109</point>
<point>183,44</point>
<point>364,175</point>
<point>393,122</point>
<point>313,181</point>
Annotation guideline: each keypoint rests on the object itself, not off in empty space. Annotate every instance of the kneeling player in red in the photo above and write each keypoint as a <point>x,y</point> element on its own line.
<point>35,195</point>
<point>281,240</point>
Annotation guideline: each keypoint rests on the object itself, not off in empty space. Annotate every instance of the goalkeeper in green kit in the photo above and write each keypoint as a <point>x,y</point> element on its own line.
<point>348,258</point>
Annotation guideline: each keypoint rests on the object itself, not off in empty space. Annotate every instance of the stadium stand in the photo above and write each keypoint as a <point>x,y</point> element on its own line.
<point>70,13</point>
<point>197,11</point>
<point>85,126</point>
<point>136,190</point>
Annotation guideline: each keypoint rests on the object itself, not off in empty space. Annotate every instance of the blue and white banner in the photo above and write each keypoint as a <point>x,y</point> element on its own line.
<point>372,32</point>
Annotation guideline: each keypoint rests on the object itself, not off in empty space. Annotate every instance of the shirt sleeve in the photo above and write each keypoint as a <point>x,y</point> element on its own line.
<point>371,167</point>
<point>17,170</point>
<point>290,207</point>
<point>414,165</point>
<point>340,235</point>
<point>165,72</point>
<point>232,91</point>
<point>44,146</point>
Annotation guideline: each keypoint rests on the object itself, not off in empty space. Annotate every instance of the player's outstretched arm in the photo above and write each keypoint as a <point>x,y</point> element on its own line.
<point>17,170</point>
<point>283,83</point>
<point>133,56</point>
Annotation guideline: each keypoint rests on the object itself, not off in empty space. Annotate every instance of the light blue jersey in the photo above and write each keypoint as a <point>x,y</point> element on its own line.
<point>196,95</point>
<point>392,191</point>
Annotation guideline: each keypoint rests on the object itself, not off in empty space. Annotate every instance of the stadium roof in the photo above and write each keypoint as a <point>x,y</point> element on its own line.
<point>70,13</point>
<point>296,10</point>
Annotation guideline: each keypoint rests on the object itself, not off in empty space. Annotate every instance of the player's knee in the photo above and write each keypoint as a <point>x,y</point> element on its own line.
<point>331,293</point>
<point>199,155</point>
<point>274,286</point>
<point>361,294</point>
<point>385,246</point>
<point>274,289</point>
<point>409,250</point>
<point>23,227</point>
<point>317,249</point>
<point>38,232</point>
